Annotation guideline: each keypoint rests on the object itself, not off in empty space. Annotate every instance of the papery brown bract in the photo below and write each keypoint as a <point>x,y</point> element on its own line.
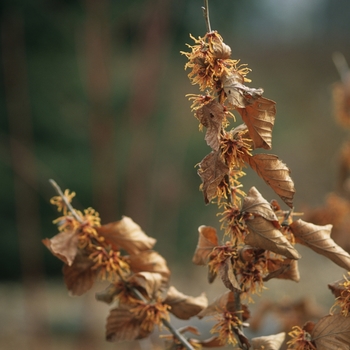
<point>212,171</point>
<point>275,173</point>
<point>269,342</point>
<point>228,276</point>
<point>263,234</point>
<point>184,306</point>
<point>79,277</point>
<point>126,234</point>
<point>318,238</point>
<point>207,240</point>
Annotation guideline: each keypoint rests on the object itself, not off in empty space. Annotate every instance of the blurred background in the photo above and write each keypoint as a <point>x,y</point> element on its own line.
<point>93,96</point>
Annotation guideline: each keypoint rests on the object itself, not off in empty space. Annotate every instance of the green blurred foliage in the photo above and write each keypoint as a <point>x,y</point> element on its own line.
<point>152,156</point>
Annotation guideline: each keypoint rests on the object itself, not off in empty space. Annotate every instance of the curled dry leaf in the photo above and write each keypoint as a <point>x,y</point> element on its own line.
<point>64,246</point>
<point>225,302</point>
<point>332,332</point>
<point>184,306</point>
<point>283,269</point>
<point>207,240</point>
<point>263,234</point>
<point>212,171</point>
<point>239,95</point>
<point>127,235</point>
<point>108,295</point>
<point>270,342</point>
<point>259,115</point>
<point>228,277</point>
<point>79,277</point>
<point>151,282</point>
<point>211,115</point>
<point>318,238</point>
<point>275,173</point>
<point>150,261</point>
<point>122,325</point>
<point>337,287</point>
<point>255,203</point>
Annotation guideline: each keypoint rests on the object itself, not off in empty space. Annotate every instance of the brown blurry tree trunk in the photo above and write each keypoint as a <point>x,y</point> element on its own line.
<point>102,122</point>
<point>148,63</point>
<point>25,178</point>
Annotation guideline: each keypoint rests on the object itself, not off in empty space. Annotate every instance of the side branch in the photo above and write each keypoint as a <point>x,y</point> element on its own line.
<point>205,9</point>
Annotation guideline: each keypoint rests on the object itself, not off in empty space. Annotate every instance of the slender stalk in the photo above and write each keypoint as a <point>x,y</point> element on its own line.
<point>65,200</point>
<point>205,9</point>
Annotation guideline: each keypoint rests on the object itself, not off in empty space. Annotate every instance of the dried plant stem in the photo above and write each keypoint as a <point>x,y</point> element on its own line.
<point>205,9</point>
<point>341,65</point>
<point>65,200</point>
<point>167,324</point>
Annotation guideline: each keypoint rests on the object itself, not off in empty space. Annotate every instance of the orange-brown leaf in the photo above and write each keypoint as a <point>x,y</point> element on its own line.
<point>263,234</point>
<point>337,287</point>
<point>150,261</point>
<point>332,332</point>
<point>255,203</point>
<point>269,342</point>
<point>64,246</point>
<point>285,269</point>
<point>318,238</point>
<point>207,240</point>
<point>151,282</point>
<point>259,116</point>
<point>239,95</point>
<point>212,171</point>
<point>122,325</point>
<point>228,276</point>
<point>275,173</point>
<point>211,115</point>
<point>127,235</point>
<point>184,306</point>
<point>222,303</point>
<point>79,277</point>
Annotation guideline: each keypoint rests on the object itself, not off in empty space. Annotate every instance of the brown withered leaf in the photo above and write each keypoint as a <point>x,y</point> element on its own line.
<point>255,203</point>
<point>259,115</point>
<point>263,234</point>
<point>211,115</point>
<point>337,287</point>
<point>127,235</point>
<point>228,277</point>
<point>332,332</point>
<point>151,282</point>
<point>286,269</point>
<point>212,171</point>
<point>207,240</point>
<point>108,295</point>
<point>318,238</point>
<point>239,95</point>
<point>222,303</point>
<point>275,173</point>
<point>269,342</point>
<point>64,246</point>
<point>183,306</point>
<point>79,277</point>
<point>150,261</point>
<point>123,326</point>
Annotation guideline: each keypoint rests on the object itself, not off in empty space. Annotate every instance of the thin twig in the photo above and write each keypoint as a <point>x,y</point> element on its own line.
<point>65,200</point>
<point>167,324</point>
<point>205,9</point>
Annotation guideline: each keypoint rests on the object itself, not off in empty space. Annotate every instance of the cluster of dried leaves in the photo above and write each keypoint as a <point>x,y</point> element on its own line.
<point>258,242</point>
<point>261,237</point>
